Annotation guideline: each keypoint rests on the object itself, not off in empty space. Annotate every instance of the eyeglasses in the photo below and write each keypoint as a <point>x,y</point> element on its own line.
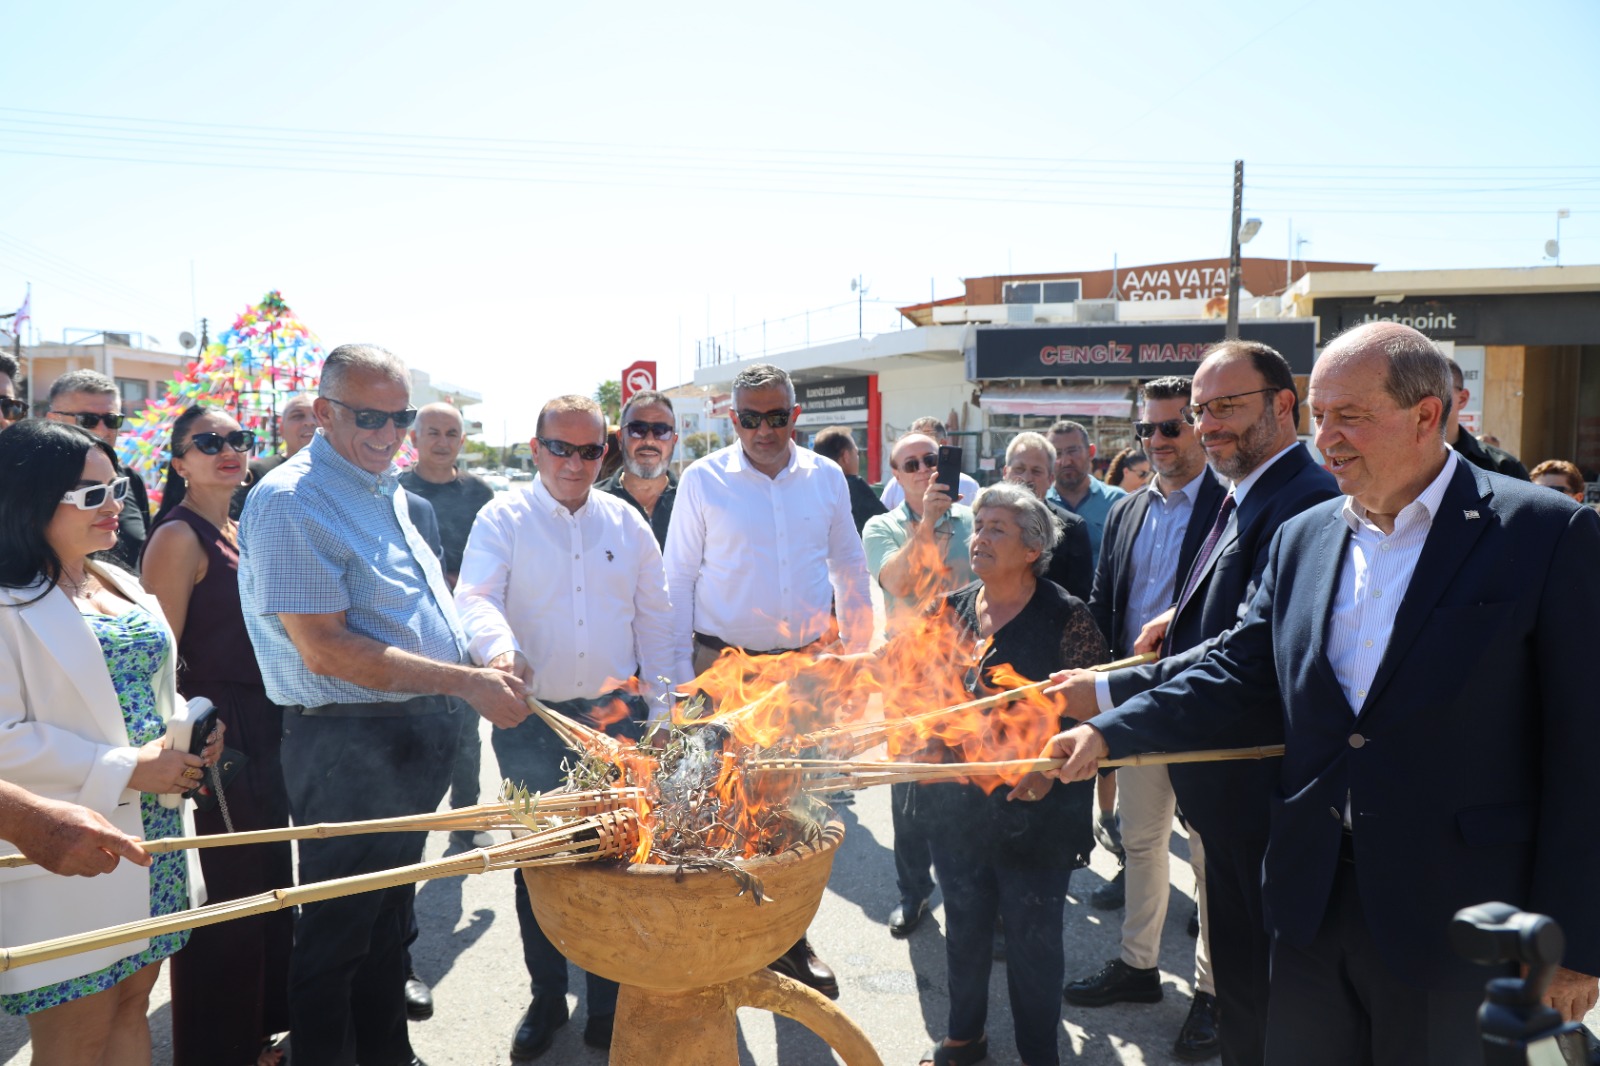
<point>563,450</point>
<point>93,497</point>
<point>753,419</point>
<point>369,418</point>
<point>90,419</point>
<point>914,463</point>
<point>12,410</point>
<point>240,440</point>
<point>1221,408</point>
<point>1170,428</point>
<point>641,430</point>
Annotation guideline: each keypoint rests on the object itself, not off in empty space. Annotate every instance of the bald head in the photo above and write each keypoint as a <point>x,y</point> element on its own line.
<point>1379,397</point>
<point>438,435</point>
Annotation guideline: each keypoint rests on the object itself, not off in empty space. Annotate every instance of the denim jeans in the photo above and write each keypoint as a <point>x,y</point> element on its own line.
<point>530,756</point>
<point>1030,902</point>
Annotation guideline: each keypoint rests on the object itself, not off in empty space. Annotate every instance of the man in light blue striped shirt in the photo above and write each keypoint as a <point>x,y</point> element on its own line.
<point>357,637</point>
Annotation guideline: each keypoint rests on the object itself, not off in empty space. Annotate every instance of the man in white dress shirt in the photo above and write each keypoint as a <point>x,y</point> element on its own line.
<point>563,587</point>
<point>763,554</point>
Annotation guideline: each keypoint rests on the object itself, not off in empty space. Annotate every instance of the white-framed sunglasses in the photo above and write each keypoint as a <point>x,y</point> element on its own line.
<point>93,497</point>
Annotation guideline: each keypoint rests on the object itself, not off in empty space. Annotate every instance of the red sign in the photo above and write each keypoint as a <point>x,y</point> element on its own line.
<point>640,377</point>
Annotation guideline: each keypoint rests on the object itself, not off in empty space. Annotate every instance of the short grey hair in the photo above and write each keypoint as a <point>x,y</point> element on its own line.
<point>1417,370</point>
<point>648,396</point>
<point>1040,530</point>
<point>931,426</point>
<point>1023,441</point>
<point>91,382</point>
<point>763,376</point>
<point>368,358</point>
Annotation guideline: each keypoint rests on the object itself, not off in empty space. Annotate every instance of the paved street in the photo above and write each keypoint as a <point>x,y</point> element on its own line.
<point>894,989</point>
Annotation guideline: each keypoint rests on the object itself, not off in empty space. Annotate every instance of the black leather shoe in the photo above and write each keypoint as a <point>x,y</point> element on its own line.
<point>802,964</point>
<point>545,1014</point>
<point>419,998</point>
<point>907,917</point>
<point>597,1030</point>
<point>1117,982</point>
<point>1111,896</point>
<point>1198,1040</point>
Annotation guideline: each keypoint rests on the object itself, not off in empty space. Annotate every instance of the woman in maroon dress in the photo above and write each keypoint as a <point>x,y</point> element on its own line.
<point>230,985</point>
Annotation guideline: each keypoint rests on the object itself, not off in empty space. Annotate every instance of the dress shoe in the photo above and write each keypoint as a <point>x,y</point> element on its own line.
<point>1112,895</point>
<point>802,964</point>
<point>907,917</point>
<point>1198,1040</point>
<point>1108,831</point>
<point>419,998</point>
<point>466,838</point>
<point>545,1014</point>
<point>1117,982</point>
<point>597,1030</point>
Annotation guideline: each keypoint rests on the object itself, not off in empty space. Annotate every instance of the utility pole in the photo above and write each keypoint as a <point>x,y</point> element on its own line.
<point>1231,331</point>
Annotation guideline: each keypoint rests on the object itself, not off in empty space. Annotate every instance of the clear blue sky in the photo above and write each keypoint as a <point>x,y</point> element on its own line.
<point>524,197</point>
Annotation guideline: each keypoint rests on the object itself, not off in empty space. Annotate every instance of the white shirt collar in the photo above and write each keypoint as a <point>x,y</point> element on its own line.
<point>1424,508</point>
<point>548,503</point>
<point>1191,490</point>
<point>738,461</point>
<point>1242,487</point>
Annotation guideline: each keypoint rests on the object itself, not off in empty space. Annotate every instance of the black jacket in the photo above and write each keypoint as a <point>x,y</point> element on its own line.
<point>1229,799</point>
<point>1109,601</point>
<point>1072,561</point>
<point>1488,457</point>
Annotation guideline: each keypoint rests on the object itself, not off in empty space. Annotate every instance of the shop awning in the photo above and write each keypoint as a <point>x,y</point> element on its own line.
<point>1109,401</point>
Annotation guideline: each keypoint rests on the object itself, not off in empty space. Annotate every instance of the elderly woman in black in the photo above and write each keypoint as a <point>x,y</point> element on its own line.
<point>1007,853</point>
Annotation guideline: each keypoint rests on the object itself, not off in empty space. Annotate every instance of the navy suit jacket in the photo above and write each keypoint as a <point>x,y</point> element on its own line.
<point>1470,770</point>
<point>1228,800</point>
<point>1109,601</point>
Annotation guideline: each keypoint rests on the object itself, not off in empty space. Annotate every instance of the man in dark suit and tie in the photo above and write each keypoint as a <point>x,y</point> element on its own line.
<point>1246,411</point>
<point>1413,645</point>
<point>1151,538</point>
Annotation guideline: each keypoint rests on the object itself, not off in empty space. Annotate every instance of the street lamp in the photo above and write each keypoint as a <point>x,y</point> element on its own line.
<point>1243,231</point>
<point>859,286</point>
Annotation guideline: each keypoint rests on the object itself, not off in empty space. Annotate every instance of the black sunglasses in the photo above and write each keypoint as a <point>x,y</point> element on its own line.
<point>1170,428</point>
<point>562,450</point>
<point>12,410</point>
<point>914,463</point>
<point>90,419</point>
<point>240,440</point>
<point>641,430</point>
<point>753,419</point>
<point>369,418</point>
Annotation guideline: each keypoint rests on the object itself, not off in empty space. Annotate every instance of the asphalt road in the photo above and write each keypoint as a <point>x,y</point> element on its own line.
<point>894,989</point>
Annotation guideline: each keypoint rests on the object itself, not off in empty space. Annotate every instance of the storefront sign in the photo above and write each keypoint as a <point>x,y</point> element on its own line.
<point>1140,350</point>
<point>832,401</point>
<point>1440,321</point>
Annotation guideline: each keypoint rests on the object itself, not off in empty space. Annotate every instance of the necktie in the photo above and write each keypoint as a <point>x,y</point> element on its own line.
<point>1204,555</point>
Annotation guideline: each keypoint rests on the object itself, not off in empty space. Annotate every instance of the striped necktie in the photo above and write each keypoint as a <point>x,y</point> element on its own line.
<point>1204,555</point>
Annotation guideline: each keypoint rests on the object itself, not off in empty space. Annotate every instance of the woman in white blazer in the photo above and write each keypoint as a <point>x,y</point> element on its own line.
<point>87,682</point>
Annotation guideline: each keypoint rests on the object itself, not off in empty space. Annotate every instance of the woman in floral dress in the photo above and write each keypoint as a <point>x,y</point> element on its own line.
<point>86,685</point>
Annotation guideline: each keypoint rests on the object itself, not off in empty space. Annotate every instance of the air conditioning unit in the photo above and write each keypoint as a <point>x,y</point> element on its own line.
<point>1097,310</point>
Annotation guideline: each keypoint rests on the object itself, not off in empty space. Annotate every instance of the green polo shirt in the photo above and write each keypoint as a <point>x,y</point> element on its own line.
<point>886,534</point>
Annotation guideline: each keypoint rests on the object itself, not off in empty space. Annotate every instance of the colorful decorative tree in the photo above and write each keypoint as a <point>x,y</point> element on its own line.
<point>250,370</point>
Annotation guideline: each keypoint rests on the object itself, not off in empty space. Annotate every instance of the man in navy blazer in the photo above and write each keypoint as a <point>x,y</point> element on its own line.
<point>1247,411</point>
<point>1151,538</point>
<point>1413,645</point>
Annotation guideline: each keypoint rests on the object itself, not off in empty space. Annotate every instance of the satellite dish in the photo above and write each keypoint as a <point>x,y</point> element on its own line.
<point>186,339</point>
<point>1552,249</point>
<point>854,284</point>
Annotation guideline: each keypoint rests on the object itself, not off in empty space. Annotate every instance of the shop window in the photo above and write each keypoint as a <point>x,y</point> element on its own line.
<point>1061,291</point>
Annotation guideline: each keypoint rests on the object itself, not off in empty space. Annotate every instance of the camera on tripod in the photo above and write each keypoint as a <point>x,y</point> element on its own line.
<point>1516,1026</point>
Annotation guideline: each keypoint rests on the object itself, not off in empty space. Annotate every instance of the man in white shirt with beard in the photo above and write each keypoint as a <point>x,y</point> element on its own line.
<point>563,587</point>
<point>763,556</point>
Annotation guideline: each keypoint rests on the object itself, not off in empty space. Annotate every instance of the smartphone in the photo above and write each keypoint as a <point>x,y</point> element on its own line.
<point>949,474</point>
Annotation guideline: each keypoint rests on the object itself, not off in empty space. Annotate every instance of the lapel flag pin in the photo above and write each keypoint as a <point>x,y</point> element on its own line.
<point>1470,515</point>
